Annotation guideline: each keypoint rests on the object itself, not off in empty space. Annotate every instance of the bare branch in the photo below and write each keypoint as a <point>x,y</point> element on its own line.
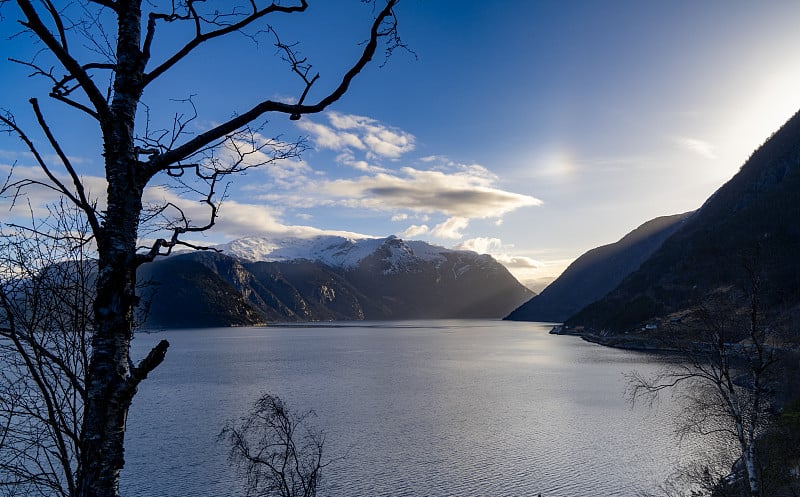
<point>234,154</point>
<point>201,37</point>
<point>107,3</point>
<point>56,184</point>
<point>82,200</point>
<point>61,90</point>
<point>276,450</point>
<point>62,35</point>
<point>725,381</point>
<point>157,141</point>
<point>191,147</point>
<point>79,198</point>
<point>35,24</point>
<point>43,309</point>
<point>149,363</point>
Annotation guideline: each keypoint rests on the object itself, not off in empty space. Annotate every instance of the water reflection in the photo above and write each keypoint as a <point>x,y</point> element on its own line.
<point>423,407</point>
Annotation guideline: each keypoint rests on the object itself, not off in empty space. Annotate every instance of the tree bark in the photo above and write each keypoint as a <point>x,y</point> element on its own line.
<point>753,481</point>
<point>110,386</point>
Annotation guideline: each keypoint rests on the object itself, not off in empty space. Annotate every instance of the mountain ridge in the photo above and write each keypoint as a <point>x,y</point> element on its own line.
<point>752,216</point>
<point>328,279</point>
<point>597,272</point>
<point>331,250</point>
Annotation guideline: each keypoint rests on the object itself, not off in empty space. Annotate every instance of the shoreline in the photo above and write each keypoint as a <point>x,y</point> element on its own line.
<point>627,342</point>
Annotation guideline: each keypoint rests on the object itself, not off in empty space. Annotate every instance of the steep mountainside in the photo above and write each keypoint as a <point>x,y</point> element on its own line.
<point>181,292</point>
<point>597,272</point>
<point>326,279</point>
<point>753,217</point>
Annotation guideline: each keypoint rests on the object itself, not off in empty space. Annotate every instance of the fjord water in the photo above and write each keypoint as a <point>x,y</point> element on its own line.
<point>416,408</point>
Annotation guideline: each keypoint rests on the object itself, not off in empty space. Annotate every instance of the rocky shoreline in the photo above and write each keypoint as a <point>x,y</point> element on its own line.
<point>627,341</point>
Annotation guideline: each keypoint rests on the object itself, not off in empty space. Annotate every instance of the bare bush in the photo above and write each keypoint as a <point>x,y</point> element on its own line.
<point>276,450</point>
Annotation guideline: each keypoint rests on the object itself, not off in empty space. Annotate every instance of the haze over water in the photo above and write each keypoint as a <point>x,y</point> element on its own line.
<point>417,408</point>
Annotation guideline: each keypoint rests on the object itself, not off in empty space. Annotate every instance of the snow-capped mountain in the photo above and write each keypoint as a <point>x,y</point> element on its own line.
<point>327,278</point>
<point>336,251</point>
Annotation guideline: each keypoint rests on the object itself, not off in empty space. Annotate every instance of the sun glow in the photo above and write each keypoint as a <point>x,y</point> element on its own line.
<point>776,99</point>
<point>557,165</point>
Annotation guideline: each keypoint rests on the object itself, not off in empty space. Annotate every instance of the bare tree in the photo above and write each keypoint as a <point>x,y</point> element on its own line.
<point>693,479</point>
<point>726,382</point>
<point>99,57</point>
<point>276,450</point>
<point>46,289</point>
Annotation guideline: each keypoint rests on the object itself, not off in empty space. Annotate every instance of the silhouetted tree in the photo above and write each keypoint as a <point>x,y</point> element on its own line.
<point>99,57</point>
<point>727,378</point>
<point>46,293</point>
<point>276,450</point>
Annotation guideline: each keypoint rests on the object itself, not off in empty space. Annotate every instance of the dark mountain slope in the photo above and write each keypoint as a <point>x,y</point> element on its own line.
<point>461,284</point>
<point>597,272</point>
<point>181,292</point>
<point>754,216</point>
<point>313,291</point>
<point>213,289</point>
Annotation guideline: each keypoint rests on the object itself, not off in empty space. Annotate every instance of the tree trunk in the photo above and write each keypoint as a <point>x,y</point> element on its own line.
<point>108,392</point>
<point>111,382</point>
<point>110,386</point>
<point>748,458</point>
<point>753,480</point>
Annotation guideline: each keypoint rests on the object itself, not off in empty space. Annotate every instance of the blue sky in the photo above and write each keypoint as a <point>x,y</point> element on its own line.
<point>531,130</point>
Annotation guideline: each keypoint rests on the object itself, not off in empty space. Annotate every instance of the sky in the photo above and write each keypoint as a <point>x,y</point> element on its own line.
<point>530,130</point>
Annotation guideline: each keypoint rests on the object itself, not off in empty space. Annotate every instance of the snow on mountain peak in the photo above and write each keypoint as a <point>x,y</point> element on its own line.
<point>331,250</point>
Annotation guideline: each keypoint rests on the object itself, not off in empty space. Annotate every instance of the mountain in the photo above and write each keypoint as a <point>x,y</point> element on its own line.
<point>326,278</point>
<point>183,292</point>
<point>749,224</point>
<point>597,272</point>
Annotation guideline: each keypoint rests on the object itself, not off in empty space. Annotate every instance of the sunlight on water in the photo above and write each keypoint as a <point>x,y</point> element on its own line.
<point>419,408</point>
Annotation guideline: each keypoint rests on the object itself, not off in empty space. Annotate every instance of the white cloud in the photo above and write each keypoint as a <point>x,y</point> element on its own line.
<point>388,144</point>
<point>236,219</point>
<point>359,132</point>
<point>533,273</point>
<point>496,248</point>
<point>349,121</point>
<point>438,187</point>
<point>28,157</point>
<point>434,158</point>
<point>399,217</point>
<point>481,245</point>
<point>267,156</point>
<point>286,174</point>
<point>39,197</point>
<point>699,147</point>
<point>468,193</point>
<point>414,231</point>
<point>348,159</point>
<point>518,261</point>
<point>325,137</point>
<point>451,228</point>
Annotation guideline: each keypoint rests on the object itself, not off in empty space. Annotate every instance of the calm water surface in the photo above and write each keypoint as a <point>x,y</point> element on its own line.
<point>424,408</point>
